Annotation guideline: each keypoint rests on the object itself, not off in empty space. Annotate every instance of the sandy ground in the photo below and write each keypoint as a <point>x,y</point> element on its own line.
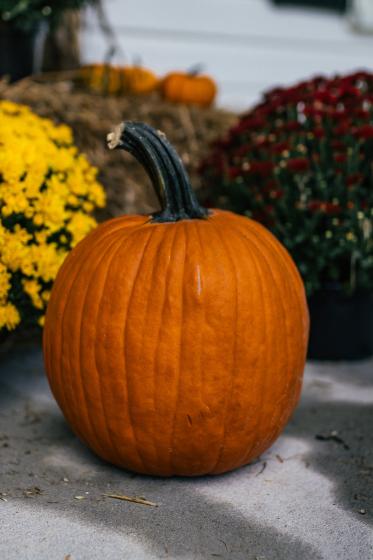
<point>309,497</point>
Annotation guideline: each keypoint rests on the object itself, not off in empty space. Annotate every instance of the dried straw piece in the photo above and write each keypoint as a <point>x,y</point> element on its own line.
<point>133,499</point>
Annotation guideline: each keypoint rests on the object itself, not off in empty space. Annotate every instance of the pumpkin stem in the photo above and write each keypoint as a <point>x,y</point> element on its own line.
<point>164,167</point>
<point>195,70</point>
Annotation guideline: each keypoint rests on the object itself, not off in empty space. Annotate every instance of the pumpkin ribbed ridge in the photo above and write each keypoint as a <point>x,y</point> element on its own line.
<point>76,386</point>
<point>261,300</point>
<point>234,345</point>
<point>137,321</point>
<point>99,287</point>
<point>279,357</point>
<point>115,354</point>
<point>61,294</point>
<point>256,425</point>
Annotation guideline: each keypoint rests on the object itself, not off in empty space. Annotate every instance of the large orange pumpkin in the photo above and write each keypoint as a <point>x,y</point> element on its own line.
<point>175,343</point>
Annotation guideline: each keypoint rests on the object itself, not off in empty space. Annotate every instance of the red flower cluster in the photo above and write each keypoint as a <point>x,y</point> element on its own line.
<point>301,163</point>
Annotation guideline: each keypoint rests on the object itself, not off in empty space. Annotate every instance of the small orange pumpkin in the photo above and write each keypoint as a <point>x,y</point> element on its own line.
<point>105,78</point>
<point>101,78</point>
<point>138,80</point>
<point>175,343</point>
<point>190,88</point>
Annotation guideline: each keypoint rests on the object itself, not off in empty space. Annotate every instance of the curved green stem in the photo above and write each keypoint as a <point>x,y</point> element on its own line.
<point>164,167</point>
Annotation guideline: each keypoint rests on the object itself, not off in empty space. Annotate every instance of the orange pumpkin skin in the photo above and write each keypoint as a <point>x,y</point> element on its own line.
<point>177,348</point>
<point>101,78</point>
<point>138,80</point>
<point>181,87</point>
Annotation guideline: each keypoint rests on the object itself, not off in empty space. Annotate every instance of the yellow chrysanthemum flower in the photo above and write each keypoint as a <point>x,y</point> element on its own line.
<point>9,316</point>
<point>48,191</point>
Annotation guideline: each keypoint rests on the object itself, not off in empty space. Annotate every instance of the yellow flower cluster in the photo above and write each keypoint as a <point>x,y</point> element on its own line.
<point>48,191</point>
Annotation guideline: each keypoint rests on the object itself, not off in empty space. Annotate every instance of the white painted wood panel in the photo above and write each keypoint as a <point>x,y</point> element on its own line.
<point>246,18</point>
<point>248,45</point>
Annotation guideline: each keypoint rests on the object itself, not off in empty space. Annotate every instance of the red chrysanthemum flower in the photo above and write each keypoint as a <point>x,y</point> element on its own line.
<point>365,131</point>
<point>298,165</point>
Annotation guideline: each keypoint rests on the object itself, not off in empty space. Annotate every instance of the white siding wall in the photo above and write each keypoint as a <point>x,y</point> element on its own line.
<point>248,45</point>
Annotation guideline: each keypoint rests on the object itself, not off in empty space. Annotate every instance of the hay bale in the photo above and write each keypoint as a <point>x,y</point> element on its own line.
<point>92,116</point>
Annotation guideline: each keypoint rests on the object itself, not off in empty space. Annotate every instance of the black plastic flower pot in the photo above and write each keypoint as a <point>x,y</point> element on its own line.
<point>341,326</point>
<point>17,51</point>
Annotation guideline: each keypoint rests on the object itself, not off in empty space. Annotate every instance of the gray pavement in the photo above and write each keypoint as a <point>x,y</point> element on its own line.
<point>309,497</point>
